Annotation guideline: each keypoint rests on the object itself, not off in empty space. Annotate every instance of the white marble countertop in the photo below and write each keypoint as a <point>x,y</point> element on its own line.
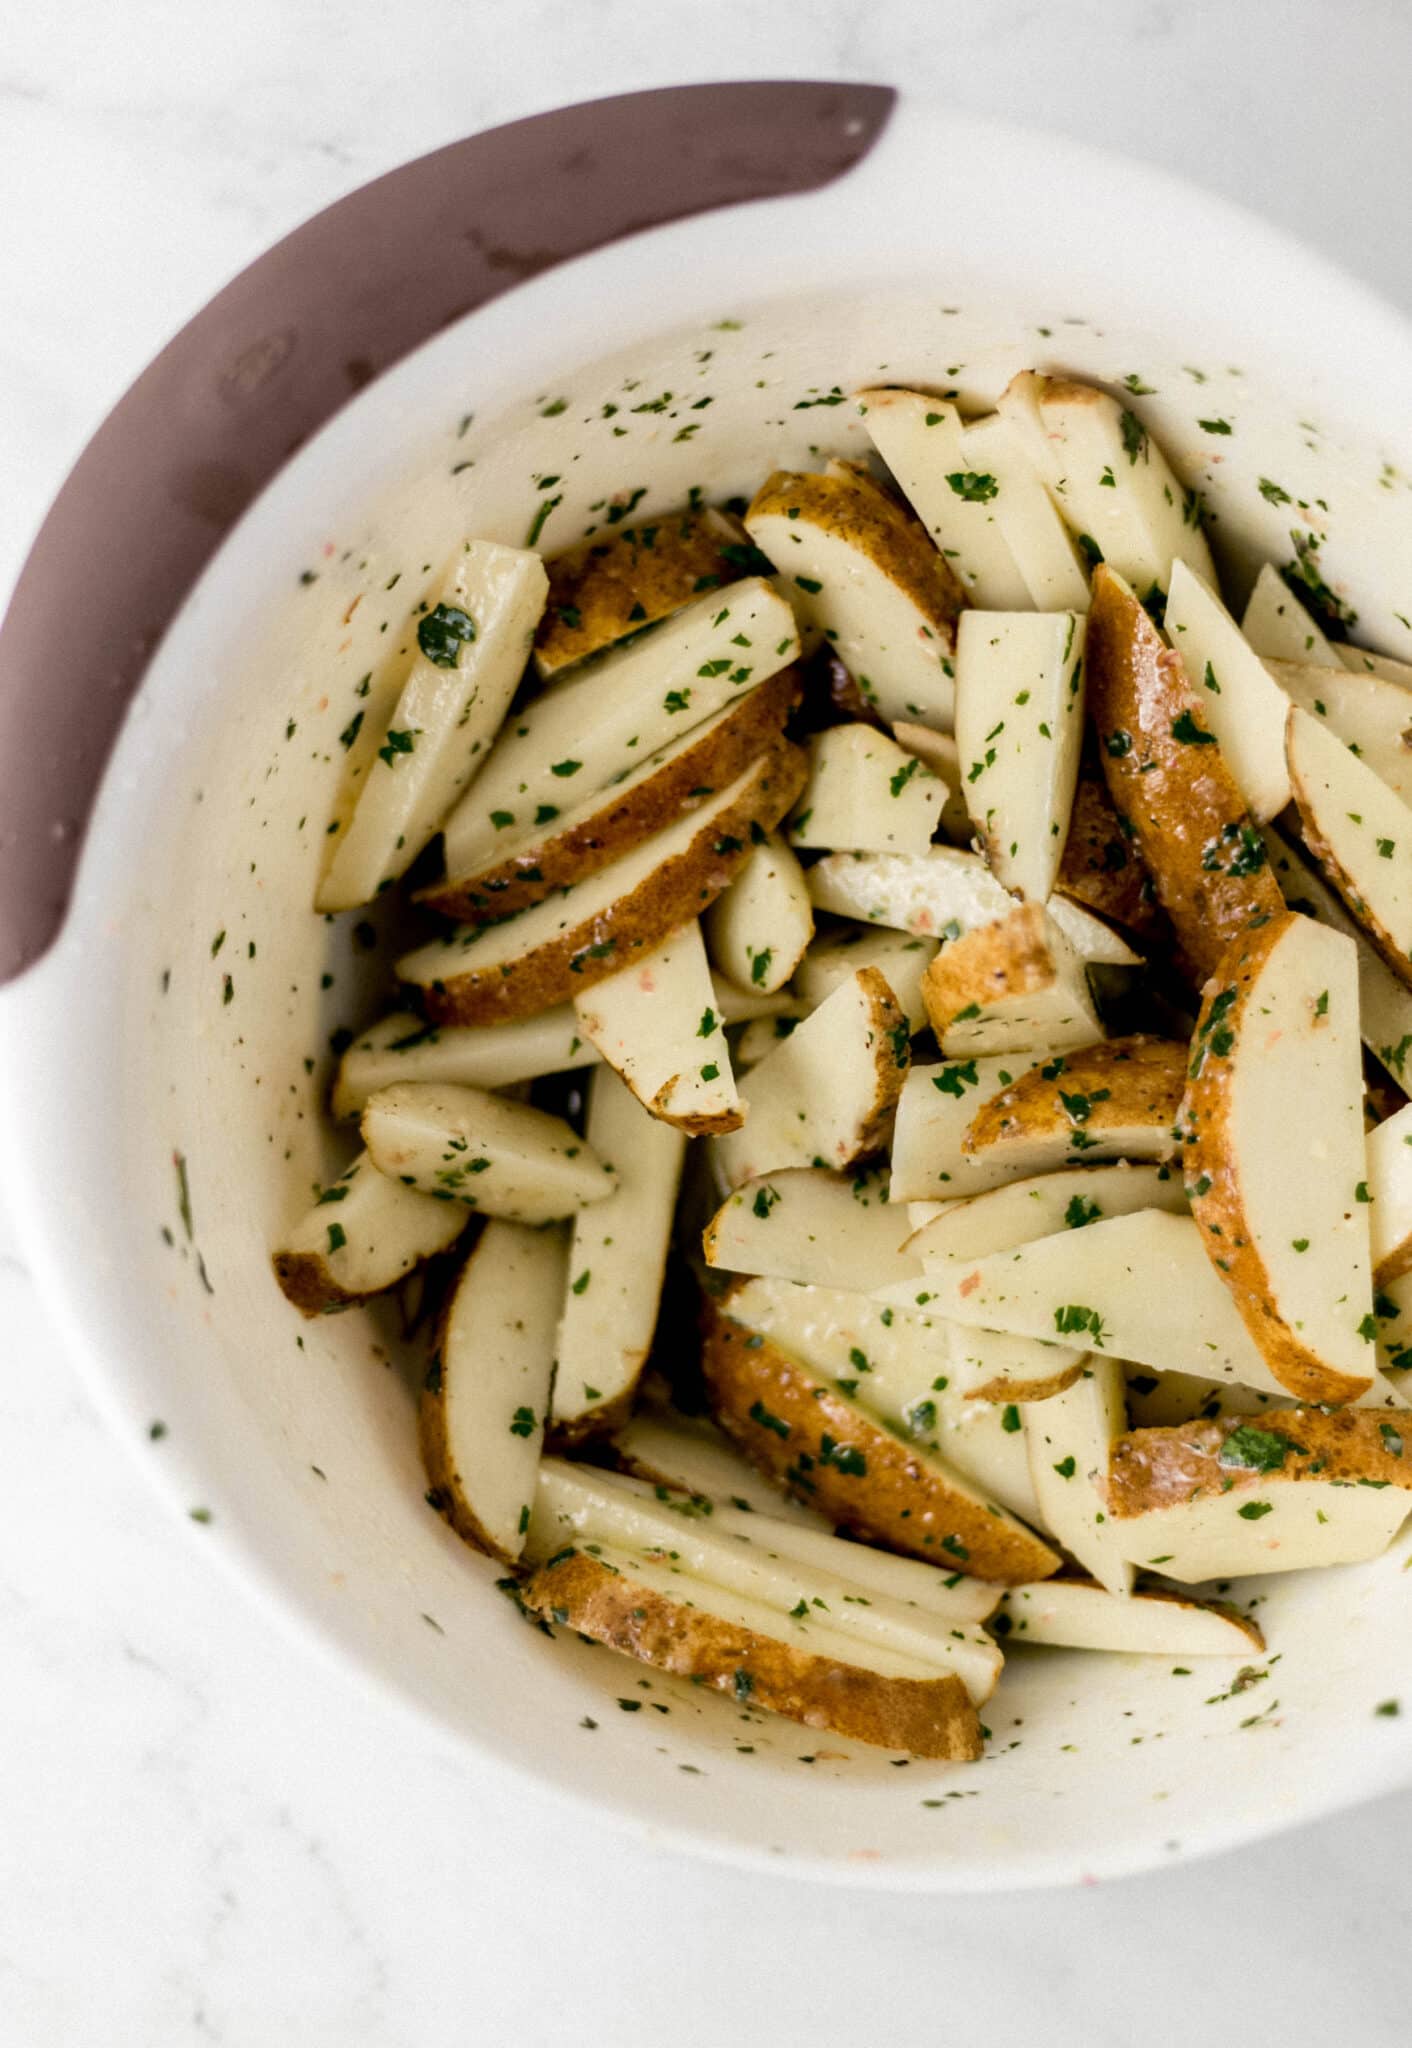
<point>202,1837</point>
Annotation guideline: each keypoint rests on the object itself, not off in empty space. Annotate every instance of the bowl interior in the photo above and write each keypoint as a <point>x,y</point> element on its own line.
<point>222,995</point>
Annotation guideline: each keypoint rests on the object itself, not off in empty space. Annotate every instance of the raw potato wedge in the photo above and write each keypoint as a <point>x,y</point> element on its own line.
<point>720,1640</point>
<point>688,1454</point>
<point>617,1261</point>
<point>1110,480</point>
<point>1118,1100</point>
<point>1279,628</point>
<point>577,1504</point>
<point>1070,1442</point>
<point>866,793</point>
<point>616,583</point>
<point>552,952</point>
<point>934,1112</point>
<point>487,1390</point>
<point>1077,1614</point>
<point>1359,832</point>
<point>921,439</point>
<point>826,1095</point>
<point>472,1149</point>
<point>595,726</point>
<point>657,1025</point>
<point>987,1365</point>
<point>1390,1183</point>
<point>758,929</point>
<point>1275,1161</point>
<point>363,1235</point>
<point>796,1424</point>
<point>1015,986</point>
<point>1241,700</point>
<point>861,569</point>
<point>1137,1287</point>
<point>1158,1399</point>
<point>1019,729</point>
<point>942,893</point>
<point>1168,777</point>
<point>1221,1499</point>
<point>1384,1001</point>
<point>804,1224</point>
<point>1101,868</point>
<point>1026,1209</point>
<point>403,1047</point>
<point>900,959</point>
<point>1372,716</point>
<point>472,649</point>
<point>937,751</point>
<point>567,846</point>
<point>1049,563</point>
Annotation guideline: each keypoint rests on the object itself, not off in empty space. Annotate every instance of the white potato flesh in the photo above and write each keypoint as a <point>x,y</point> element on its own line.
<point>1278,627</point>
<point>1384,1002</point>
<point>989,1365</point>
<point>1147,1137</point>
<point>981,1441</point>
<point>871,620</point>
<point>996,991</point>
<point>741,1611</point>
<point>1069,1440</point>
<point>1043,1204</point>
<point>1362,833</point>
<point>1390,1184</point>
<point>758,929</point>
<point>1071,1614</point>
<point>921,439</point>
<point>657,1025</point>
<point>1308,1523</point>
<point>816,1099</point>
<point>439,734</point>
<point>1138,1287</point>
<point>368,1232</point>
<point>942,893</point>
<point>762,1034</point>
<point>937,750</point>
<point>574,1504</point>
<point>614,710</point>
<point>1370,715</point>
<point>497,1363</point>
<point>1362,662</point>
<point>865,792</point>
<point>403,1047</point>
<point>1277,1124</point>
<point>1110,480</point>
<point>1050,565</point>
<point>740,1502</point>
<point>617,1254</point>
<point>518,937</point>
<point>464,1146</point>
<point>690,1453</point>
<point>899,958</point>
<point>846,1336</point>
<point>1241,701</point>
<point>933,1113</point>
<point>1019,728</point>
<point>828,1229</point>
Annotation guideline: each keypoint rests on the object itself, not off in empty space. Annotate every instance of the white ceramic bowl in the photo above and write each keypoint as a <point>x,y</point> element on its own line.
<point>956,252</point>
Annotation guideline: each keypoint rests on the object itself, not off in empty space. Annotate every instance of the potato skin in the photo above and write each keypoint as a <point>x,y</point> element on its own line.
<point>1102,867</point>
<point>1162,1468</point>
<point>1191,822</point>
<point>1144,1078</point>
<point>623,819</point>
<point>850,501</point>
<point>306,1281</point>
<point>927,1717</point>
<point>900,1501</point>
<point>613,584</point>
<point>1008,958</point>
<point>1001,1389</point>
<point>671,896</point>
<point>444,1490</point>
<point>1209,1164</point>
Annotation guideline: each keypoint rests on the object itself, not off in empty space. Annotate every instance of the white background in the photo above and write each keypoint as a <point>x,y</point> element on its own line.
<point>203,1837</point>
